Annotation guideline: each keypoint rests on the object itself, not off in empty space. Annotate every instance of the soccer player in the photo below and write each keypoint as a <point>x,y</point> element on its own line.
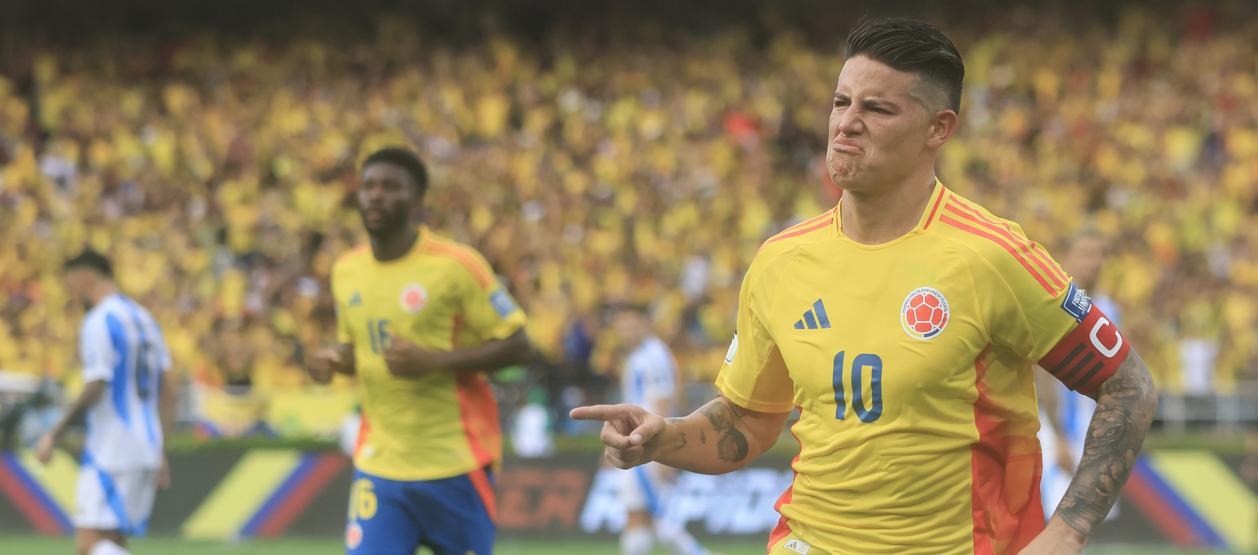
<point>1064,415</point>
<point>420,318</point>
<point>648,379</point>
<point>905,324</point>
<point>128,399</point>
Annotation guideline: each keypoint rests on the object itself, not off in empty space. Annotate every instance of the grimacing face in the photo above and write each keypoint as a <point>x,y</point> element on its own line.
<point>882,124</point>
<point>387,198</point>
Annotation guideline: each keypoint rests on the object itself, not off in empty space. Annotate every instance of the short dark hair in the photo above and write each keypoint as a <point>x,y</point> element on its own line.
<point>914,47</point>
<point>91,260</point>
<point>405,159</point>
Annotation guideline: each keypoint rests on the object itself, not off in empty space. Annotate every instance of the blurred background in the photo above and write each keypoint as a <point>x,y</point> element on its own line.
<point>593,152</point>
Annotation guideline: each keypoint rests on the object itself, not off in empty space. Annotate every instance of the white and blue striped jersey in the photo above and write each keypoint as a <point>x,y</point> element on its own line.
<point>121,344</point>
<point>649,376</point>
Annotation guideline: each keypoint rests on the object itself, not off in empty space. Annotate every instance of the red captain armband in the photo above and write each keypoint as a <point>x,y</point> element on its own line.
<point>1088,355</point>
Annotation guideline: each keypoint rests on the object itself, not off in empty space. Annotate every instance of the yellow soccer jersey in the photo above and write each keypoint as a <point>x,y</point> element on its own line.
<point>911,364</point>
<point>441,295</point>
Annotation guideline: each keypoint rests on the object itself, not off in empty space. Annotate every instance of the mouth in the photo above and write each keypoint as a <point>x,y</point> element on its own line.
<point>846,147</point>
<point>373,216</point>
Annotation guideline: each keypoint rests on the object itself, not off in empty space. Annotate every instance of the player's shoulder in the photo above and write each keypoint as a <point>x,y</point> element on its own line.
<point>997,243</point>
<point>460,256</point>
<point>809,231</point>
<point>352,258</point>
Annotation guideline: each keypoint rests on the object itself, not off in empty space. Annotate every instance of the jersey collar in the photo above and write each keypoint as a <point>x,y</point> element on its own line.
<point>938,196</point>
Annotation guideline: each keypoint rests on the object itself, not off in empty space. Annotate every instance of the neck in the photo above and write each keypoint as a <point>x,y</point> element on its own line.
<point>394,246</point>
<point>100,291</point>
<point>877,217</point>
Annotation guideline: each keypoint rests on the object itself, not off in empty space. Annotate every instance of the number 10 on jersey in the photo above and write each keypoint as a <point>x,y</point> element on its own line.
<point>861,363</point>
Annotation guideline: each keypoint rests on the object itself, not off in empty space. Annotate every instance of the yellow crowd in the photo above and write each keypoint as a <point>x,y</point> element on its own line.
<point>216,175</point>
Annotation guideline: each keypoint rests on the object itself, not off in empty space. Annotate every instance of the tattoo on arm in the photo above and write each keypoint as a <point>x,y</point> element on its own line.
<point>1123,413</point>
<point>703,438</point>
<point>731,446</point>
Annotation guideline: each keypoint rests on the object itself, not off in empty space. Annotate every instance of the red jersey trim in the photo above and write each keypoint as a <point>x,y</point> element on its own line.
<point>783,528</point>
<point>811,228</point>
<point>1088,355</point>
<point>1004,478</point>
<point>1033,249</point>
<point>461,254</point>
<point>943,193</point>
<point>963,226</point>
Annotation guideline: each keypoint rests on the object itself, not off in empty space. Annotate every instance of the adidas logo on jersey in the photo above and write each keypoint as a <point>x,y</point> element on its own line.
<point>356,299</point>
<point>814,318</point>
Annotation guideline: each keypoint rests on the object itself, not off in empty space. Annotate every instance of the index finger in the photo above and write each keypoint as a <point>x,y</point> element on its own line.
<point>596,412</point>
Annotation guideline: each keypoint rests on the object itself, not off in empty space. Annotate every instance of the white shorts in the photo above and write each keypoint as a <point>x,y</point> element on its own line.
<point>643,488</point>
<point>119,500</point>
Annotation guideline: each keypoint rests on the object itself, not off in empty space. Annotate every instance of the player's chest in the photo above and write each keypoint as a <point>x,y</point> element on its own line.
<point>862,331</point>
<point>419,302</point>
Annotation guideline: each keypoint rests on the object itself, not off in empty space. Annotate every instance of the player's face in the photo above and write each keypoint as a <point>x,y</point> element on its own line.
<point>1084,259</point>
<point>78,283</point>
<point>879,131</point>
<point>386,198</point>
<point>630,326</point>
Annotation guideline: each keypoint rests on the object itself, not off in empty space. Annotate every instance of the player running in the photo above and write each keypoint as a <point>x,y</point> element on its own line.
<point>648,379</point>
<point>420,318</point>
<point>1064,416</point>
<point>904,324</point>
<point>128,400</point>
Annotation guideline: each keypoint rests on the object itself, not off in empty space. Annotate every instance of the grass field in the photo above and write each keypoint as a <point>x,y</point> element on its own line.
<point>33,545</point>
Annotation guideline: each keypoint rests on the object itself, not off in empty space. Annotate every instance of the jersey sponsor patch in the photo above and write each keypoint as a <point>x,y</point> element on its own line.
<point>733,350</point>
<point>504,305</point>
<point>414,298</point>
<point>924,314</point>
<point>1077,303</point>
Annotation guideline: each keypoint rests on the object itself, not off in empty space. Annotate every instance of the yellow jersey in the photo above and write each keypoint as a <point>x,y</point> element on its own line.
<point>441,295</point>
<point>911,365</point>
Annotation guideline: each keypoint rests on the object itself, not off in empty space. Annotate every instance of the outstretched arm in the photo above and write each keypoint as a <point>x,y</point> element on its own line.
<point>1124,411</point>
<point>720,437</point>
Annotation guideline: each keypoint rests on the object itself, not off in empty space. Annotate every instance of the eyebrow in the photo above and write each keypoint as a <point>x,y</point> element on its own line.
<point>875,100</point>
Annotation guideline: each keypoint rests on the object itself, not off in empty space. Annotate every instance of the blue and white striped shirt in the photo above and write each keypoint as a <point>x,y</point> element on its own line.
<point>121,344</point>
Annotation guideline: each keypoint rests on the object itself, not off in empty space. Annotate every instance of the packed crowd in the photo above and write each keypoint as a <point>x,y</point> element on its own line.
<point>216,172</point>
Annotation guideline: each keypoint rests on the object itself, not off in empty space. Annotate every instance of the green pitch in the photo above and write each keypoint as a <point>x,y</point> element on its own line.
<point>34,545</point>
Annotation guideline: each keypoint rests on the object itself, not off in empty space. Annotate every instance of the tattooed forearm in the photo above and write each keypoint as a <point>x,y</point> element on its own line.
<point>731,446</point>
<point>1124,411</point>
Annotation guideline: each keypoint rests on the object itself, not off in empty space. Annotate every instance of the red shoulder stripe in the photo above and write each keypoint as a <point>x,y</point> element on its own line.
<point>963,226</point>
<point>461,254</point>
<point>1035,252</point>
<point>809,221</point>
<point>935,208</point>
<point>809,229</point>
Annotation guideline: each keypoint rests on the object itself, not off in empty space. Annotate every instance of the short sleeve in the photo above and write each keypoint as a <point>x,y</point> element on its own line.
<point>488,310</point>
<point>1044,317</point>
<point>96,349</point>
<point>754,375</point>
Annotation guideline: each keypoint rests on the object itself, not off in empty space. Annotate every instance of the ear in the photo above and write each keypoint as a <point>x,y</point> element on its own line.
<point>942,125</point>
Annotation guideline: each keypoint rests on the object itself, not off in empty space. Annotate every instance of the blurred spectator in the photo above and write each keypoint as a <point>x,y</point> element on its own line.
<point>215,170</point>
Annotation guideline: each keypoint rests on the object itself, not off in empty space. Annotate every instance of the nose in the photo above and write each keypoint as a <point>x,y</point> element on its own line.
<point>849,123</point>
